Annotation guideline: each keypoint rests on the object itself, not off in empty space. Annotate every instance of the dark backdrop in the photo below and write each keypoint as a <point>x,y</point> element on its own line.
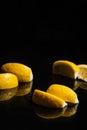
<point>57,27</point>
<point>44,29</point>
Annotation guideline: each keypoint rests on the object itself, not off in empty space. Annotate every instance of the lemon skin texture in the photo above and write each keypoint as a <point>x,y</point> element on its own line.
<point>48,100</point>
<point>65,68</point>
<point>8,80</point>
<point>63,92</point>
<point>23,72</point>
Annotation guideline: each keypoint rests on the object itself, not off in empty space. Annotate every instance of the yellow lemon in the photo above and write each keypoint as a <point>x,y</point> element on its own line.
<point>83,72</point>
<point>23,72</point>
<point>63,92</point>
<point>45,99</point>
<point>65,68</point>
<point>8,80</point>
<point>7,94</point>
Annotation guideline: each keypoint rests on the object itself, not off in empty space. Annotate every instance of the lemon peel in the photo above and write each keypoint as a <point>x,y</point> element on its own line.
<point>65,68</point>
<point>8,80</point>
<point>48,100</point>
<point>23,72</point>
<point>63,92</point>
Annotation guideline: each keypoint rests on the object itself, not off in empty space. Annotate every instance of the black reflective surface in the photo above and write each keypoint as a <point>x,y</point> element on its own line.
<point>18,111</point>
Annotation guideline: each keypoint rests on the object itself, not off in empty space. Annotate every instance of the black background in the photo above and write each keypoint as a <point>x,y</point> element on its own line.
<point>37,33</point>
<point>48,29</point>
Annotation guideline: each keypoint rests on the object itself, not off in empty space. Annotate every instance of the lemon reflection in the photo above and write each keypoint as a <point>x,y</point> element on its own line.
<point>7,94</point>
<point>65,81</point>
<point>24,88</point>
<point>70,111</point>
<point>82,84</point>
<point>46,113</point>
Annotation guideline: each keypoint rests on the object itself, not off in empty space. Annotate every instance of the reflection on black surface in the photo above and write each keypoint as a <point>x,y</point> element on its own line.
<point>24,88</point>
<point>16,98</point>
<point>70,111</point>
<point>7,94</point>
<point>22,99</point>
<point>74,84</point>
<point>65,81</point>
<point>46,113</point>
<point>82,85</point>
<point>21,90</point>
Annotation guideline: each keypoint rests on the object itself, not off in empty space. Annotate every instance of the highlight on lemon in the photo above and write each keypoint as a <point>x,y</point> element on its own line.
<point>23,72</point>
<point>65,68</point>
<point>83,72</point>
<point>8,80</point>
<point>63,92</point>
<point>48,100</point>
